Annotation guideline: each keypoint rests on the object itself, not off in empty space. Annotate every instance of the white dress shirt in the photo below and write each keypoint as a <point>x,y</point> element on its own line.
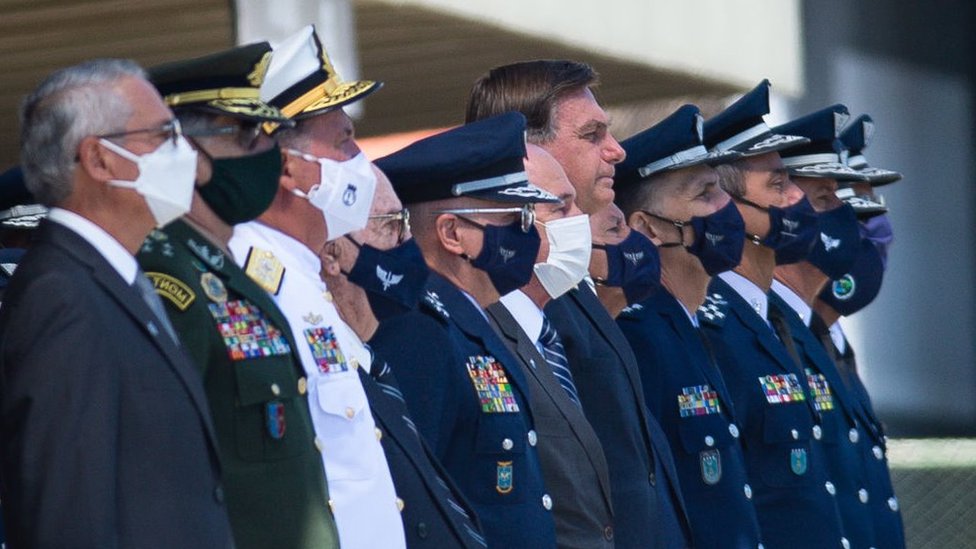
<point>754,296</point>
<point>794,301</point>
<point>117,256</point>
<point>360,486</point>
<point>838,337</point>
<point>527,314</point>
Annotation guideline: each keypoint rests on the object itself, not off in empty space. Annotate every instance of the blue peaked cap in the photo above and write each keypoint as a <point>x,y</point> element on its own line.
<point>741,127</point>
<point>856,136</point>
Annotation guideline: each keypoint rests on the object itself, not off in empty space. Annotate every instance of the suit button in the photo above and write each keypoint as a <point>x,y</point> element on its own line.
<point>748,491</point>
<point>608,533</point>
<point>302,385</point>
<point>709,441</point>
<point>878,452</point>
<point>852,434</point>
<point>862,495</point>
<point>652,479</point>
<point>319,445</point>
<point>379,434</point>
<point>829,486</point>
<point>760,546</point>
<point>893,503</point>
<point>275,390</point>
<point>400,504</point>
<point>331,506</point>
<point>219,494</point>
<point>533,438</point>
<point>422,530</point>
<point>844,543</point>
<point>733,430</point>
<point>795,434</point>
<point>546,502</point>
<point>817,432</point>
<point>328,296</point>
<point>350,412</point>
<point>507,444</point>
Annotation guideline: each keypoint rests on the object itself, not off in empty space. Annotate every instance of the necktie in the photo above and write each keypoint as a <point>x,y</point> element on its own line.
<point>783,332</point>
<point>148,293</point>
<point>555,355</point>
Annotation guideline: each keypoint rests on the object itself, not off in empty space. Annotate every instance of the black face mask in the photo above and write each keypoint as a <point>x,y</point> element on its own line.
<point>792,230</point>
<point>242,188</point>
<point>634,265</point>
<point>507,254</point>
<point>394,279</point>
<point>840,238</point>
<point>719,238</point>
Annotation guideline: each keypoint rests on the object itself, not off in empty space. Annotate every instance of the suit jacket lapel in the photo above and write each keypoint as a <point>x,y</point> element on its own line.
<point>757,325</point>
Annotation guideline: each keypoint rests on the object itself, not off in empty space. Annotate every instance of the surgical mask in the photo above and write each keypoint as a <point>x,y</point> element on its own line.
<point>242,188</point>
<point>393,279</point>
<point>633,265</point>
<point>719,238</point>
<point>165,180</point>
<point>792,230</point>
<point>570,243</point>
<point>507,254</point>
<point>344,193</point>
<point>837,248</point>
<point>856,289</point>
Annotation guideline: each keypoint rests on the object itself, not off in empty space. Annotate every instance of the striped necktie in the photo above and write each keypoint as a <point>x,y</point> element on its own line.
<point>555,355</point>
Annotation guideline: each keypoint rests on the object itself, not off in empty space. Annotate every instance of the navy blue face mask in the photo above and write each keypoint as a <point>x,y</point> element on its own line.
<point>719,238</point>
<point>840,239</point>
<point>856,289</point>
<point>633,265</point>
<point>792,230</point>
<point>508,254</point>
<point>394,279</point>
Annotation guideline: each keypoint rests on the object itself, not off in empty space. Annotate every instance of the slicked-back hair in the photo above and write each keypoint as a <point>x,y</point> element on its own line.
<point>533,88</point>
<point>69,105</point>
<point>731,177</point>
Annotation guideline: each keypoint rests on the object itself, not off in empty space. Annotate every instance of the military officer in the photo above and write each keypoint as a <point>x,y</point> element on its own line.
<point>779,425</point>
<point>471,212</point>
<point>19,216</point>
<point>573,464</point>
<point>848,294</point>
<point>565,119</point>
<point>671,195</point>
<point>816,168</point>
<point>324,191</point>
<point>273,476</point>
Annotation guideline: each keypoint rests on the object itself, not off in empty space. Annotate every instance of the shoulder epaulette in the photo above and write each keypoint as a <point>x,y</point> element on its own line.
<point>264,269</point>
<point>434,303</point>
<point>157,241</point>
<point>713,310</point>
<point>633,311</point>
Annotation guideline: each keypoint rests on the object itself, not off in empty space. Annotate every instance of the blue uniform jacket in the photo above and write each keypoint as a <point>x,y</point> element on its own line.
<point>685,391</point>
<point>841,433</point>
<point>647,504</point>
<point>889,530</point>
<point>473,410</point>
<point>786,465</point>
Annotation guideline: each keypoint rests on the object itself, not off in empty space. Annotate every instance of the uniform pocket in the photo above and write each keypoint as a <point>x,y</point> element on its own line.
<point>501,459</point>
<point>785,456</point>
<point>347,427</point>
<point>268,403</point>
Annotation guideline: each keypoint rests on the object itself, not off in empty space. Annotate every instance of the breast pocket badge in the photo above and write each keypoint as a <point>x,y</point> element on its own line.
<point>275,419</point>
<point>503,477</point>
<point>711,466</point>
<point>798,461</point>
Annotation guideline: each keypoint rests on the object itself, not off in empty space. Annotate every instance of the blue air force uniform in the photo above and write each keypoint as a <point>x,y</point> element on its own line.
<point>684,390</point>
<point>794,497</point>
<point>469,401</point>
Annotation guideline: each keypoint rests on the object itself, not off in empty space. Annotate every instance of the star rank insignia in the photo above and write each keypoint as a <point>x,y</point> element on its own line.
<point>632,309</point>
<point>435,303</point>
<point>713,309</point>
<point>265,269</point>
<point>215,258</point>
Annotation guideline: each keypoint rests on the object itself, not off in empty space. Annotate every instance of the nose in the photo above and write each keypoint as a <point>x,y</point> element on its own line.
<point>792,193</point>
<point>613,153</point>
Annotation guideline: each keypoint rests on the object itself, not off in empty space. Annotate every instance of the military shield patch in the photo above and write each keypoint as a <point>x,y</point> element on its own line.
<point>798,461</point>
<point>503,479</point>
<point>275,419</point>
<point>711,466</point>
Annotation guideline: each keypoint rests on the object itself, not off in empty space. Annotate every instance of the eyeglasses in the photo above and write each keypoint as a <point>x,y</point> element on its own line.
<point>246,133</point>
<point>527,213</point>
<point>402,220</point>
<point>172,131</point>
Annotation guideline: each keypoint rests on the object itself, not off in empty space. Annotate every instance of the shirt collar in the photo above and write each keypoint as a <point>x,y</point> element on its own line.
<point>692,318</point>
<point>754,296</point>
<point>838,337</point>
<point>793,300</point>
<point>117,256</point>
<point>525,312</point>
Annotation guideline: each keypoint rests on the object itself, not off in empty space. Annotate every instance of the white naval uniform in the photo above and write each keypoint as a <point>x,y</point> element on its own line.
<point>360,486</point>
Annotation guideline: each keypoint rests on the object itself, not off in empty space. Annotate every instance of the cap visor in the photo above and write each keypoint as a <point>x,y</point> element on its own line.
<point>246,109</point>
<point>879,176</point>
<point>347,93</point>
<point>770,142</point>
<point>832,170</point>
<point>517,193</point>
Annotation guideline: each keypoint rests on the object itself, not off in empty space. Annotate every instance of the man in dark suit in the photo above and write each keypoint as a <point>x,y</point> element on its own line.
<point>472,217</point>
<point>107,434</point>
<point>671,195</point>
<point>565,119</point>
<point>573,463</point>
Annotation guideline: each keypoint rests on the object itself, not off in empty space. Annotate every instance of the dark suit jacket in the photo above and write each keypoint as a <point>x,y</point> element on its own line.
<point>107,440</point>
<point>648,509</point>
<point>434,513</point>
<point>786,464</point>
<point>471,404</point>
<point>889,530</point>
<point>573,464</point>
<point>675,366</point>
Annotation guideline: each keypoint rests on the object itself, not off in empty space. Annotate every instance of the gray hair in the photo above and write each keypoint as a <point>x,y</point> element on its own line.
<point>731,177</point>
<point>66,107</point>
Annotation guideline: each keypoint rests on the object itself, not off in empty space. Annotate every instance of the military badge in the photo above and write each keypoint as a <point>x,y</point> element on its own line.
<point>173,289</point>
<point>275,419</point>
<point>503,477</point>
<point>213,287</point>
<point>215,258</point>
<point>265,269</point>
<point>325,349</point>
<point>843,287</point>
<point>781,389</point>
<point>312,318</point>
<point>246,331</point>
<point>798,461</point>
<point>823,400</point>
<point>712,310</point>
<point>711,466</point>
<point>491,384</point>
<point>434,300</point>
<point>698,400</point>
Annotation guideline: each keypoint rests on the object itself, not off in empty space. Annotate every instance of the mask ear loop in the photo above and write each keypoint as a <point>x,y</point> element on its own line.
<point>754,238</point>
<point>680,225</point>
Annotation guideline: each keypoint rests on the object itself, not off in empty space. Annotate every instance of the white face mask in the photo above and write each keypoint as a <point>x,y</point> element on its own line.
<point>344,193</point>
<point>166,178</point>
<point>570,244</point>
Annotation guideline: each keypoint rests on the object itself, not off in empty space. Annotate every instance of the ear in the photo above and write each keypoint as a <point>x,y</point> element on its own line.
<point>446,229</point>
<point>330,258</point>
<point>641,222</point>
<point>95,160</point>
<point>287,179</point>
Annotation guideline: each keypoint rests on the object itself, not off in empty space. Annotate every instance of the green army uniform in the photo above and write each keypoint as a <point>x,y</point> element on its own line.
<point>273,476</point>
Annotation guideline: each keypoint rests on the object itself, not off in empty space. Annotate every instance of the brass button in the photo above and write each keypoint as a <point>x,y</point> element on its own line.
<point>319,445</point>
<point>332,506</point>
<point>302,386</point>
<point>400,504</point>
<point>275,390</point>
<point>379,434</point>
<point>354,363</point>
<point>350,412</point>
<point>328,296</point>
